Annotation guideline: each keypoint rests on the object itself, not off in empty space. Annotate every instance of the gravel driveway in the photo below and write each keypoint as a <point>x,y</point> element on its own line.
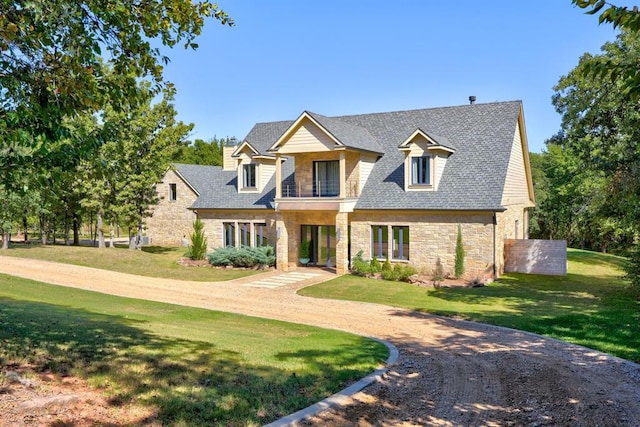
<point>449,373</point>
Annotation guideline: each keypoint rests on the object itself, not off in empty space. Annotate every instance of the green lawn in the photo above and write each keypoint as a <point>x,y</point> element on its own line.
<point>152,261</point>
<point>194,366</point>
<point>591,306</point>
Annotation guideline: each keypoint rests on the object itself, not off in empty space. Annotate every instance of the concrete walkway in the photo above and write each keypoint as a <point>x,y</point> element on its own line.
<point>450,372</point>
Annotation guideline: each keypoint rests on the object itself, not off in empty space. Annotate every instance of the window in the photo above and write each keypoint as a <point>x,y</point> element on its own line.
<point>229,234</point>
<point>379,239</point>
<point>401,243</point>
<point>249,176</point>
<point>245,233</point>
<point>420,170</point>
<point>173,192</point>
<point>260,235</point>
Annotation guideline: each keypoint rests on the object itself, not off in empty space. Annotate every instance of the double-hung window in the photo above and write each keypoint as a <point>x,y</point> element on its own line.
<point>249,175</point>
<point>245,233</point>
<point>229,234</point>
<point>420,174</point>
<point>379,241</point>
<point>400,243</point>
<point>399,237</point>
<point>260,235</point>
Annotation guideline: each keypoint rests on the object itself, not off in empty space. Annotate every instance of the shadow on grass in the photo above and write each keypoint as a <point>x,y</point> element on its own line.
<point>187,382</point>
<point>158,249</point>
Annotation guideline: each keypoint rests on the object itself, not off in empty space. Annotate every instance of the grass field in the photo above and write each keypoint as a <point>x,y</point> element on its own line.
<point>152,261</point>
<point>193,366</point>
<point>591,306</point>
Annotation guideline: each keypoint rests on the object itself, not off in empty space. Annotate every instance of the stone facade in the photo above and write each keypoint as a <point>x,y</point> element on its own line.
<point>511,224</point>
<point>214,225</point>
<point>431,236</point>
<point>171,220</point>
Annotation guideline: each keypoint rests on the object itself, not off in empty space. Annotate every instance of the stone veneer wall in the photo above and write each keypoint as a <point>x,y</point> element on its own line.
<point>506,229</point>
<point>213,221</point>
<point>433,236</point>
<point>171,221</point>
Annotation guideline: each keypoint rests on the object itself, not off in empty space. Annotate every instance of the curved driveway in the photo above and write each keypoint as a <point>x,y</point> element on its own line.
<point>450,372</point>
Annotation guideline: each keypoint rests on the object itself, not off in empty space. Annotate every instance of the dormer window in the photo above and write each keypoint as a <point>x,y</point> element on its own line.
<point>425,159</point>
<point>249,175</point>
<point>420,170</point>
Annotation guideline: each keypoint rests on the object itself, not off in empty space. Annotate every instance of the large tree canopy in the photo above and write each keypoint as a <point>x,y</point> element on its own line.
<point>50,50</point>
<point>51,53</point>
<point>601,125</point>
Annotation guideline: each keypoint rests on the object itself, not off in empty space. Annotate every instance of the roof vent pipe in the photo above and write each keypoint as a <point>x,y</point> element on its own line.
<point>472,99</point>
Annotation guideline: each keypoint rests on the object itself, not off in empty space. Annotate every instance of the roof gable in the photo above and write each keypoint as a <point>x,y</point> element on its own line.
<point>434,143</point>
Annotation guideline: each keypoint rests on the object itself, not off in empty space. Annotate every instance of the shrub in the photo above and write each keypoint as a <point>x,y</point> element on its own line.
<point>198,247</point>
<point>459,257</point>
<point>359,266</point>
<point>386,266</point>
<point>375,265</point>
<point>390,274</point>
<point>243,257</point>
<point>438,273</point>
<point>404,271</point>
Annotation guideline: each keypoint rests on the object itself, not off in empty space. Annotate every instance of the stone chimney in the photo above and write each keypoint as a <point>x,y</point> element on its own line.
<point>229,163</point>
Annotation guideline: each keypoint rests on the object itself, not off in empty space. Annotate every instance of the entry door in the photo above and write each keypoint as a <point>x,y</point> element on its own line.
<point>326,178</point>
<point>323,244</point>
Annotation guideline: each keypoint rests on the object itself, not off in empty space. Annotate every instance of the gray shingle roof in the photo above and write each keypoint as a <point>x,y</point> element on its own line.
<point>218,189</point>
<point>349,134</point>
<point>473,179</point>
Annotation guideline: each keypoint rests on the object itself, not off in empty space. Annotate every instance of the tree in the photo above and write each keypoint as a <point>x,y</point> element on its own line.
<point>201,152</point>
<point>622,70</point>
<point>139,145</point>
<point>601,123</point>
<point>50,61</point>
<point>198,248</point>
<point>459,256</point>
<point>50,50</point>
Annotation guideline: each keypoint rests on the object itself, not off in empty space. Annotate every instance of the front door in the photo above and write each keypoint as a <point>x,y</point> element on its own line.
<point>326,178</point>
<point>323,244</point>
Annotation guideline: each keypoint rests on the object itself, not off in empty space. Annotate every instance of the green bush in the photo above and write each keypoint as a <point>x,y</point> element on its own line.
<point>198,247</point>
<point>243,257</point>
<point>390,274</point>
<point>386,266</point>
<point>404,271</point>
<point>459,257</point>
<point>375,265</point>
<point>359,266</point>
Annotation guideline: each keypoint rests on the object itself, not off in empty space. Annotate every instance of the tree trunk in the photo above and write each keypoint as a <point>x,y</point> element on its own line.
<point>99,232</point>
<point>43,230</point>
<point>25,226</point>
<point>76,226</point>
<point>5,240</point>
<point>111,236</point>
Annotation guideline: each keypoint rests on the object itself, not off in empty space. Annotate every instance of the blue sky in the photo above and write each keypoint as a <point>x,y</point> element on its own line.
<point>339,57</point>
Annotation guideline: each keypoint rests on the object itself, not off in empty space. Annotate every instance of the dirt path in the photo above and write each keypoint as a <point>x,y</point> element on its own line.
<point>449,373</point>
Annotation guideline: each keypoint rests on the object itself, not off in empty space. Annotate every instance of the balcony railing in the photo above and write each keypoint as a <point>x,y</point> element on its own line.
<point>318,189</point>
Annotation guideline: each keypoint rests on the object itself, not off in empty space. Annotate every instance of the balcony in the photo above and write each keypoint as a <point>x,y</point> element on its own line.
<point>319,195</point>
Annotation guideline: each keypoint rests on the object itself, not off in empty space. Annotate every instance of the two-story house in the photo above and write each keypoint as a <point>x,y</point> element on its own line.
<point>392,185</point>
